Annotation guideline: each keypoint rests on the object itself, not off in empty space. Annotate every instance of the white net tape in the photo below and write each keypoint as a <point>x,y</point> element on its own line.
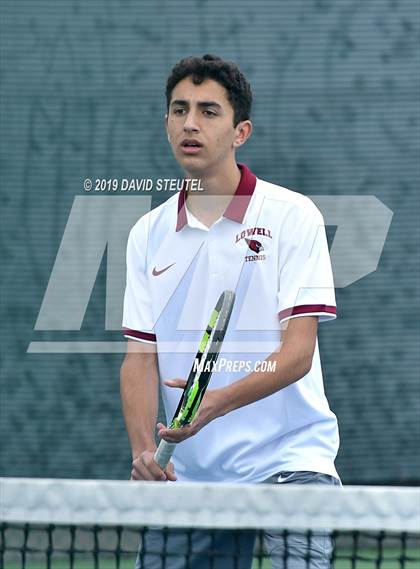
<point>177,504</point>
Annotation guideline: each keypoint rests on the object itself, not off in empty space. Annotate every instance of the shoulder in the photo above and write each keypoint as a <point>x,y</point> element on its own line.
<point>288,203</point>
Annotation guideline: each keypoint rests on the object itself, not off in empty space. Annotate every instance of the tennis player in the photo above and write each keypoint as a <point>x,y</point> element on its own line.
<point>264,417</point>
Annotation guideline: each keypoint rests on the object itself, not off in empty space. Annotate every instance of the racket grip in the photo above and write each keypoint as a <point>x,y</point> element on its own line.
<point>163,453</point>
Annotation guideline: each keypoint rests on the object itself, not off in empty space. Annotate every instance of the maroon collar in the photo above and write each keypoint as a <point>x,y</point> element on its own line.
<point>237,207</point>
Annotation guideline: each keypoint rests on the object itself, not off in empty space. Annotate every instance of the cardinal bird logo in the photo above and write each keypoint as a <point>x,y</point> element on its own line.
<point>254,245</point>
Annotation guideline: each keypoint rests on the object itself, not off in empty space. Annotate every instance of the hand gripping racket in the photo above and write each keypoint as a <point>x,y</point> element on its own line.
<point>204,362</point>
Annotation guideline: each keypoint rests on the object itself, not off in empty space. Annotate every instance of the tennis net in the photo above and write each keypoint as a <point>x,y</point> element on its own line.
<point>83,524</point>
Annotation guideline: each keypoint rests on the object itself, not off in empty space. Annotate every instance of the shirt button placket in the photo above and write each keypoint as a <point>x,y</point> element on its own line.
<point>213,259</point>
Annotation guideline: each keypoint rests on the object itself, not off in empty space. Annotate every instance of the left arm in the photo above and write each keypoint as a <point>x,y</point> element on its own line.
<point>292,361</point>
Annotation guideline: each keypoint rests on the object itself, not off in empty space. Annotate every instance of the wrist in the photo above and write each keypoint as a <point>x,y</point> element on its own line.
<point>225,401</point>
<point>136,452</point>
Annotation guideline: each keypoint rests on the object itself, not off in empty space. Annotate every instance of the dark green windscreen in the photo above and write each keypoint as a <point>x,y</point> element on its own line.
<point>336,114</point>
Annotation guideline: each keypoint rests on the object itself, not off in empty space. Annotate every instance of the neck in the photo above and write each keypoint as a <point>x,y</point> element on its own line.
<point>218,189</point>
<point>221,181</point>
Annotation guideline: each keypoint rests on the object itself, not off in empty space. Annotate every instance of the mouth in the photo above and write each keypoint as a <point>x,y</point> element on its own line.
<point>191,146</point>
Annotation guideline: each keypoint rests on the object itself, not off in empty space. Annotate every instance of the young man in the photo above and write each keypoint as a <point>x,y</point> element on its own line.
<point>268,244</point>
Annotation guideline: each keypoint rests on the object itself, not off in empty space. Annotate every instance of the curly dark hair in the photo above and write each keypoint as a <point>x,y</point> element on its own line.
<point>224,72</point>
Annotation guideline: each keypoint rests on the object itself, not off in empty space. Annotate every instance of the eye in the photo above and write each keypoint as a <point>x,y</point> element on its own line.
<point>209,113</point>
<point>179,111</point>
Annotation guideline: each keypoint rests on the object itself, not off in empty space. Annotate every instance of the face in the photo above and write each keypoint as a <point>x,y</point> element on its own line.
<point>200,127</point>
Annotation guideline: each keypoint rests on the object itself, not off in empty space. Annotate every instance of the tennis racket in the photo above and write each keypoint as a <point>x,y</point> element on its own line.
<point>198,380</point>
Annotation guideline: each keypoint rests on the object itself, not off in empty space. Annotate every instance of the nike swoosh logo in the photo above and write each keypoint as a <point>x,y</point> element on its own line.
<point>156,273</point>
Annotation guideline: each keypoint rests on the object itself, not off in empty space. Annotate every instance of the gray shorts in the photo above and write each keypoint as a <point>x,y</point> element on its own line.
<point>228,549</point>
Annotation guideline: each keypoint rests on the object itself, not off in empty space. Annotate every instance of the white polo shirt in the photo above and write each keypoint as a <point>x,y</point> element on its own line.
<point>270,248</point>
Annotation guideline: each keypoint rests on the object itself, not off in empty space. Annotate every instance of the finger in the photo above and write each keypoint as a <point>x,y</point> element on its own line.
<point>175,383</point>
<point>170,472</point>
<point>134,475</point>
<point>172,439</point>
<point>166,434</point>
<point>139,471</point>
<point>147,470</point>
<point>154,469</point>
<point>140,474</point>
<point>175,435</point>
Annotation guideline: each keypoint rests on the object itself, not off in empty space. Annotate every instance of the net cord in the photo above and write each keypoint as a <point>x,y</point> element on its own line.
<point>258,506</point>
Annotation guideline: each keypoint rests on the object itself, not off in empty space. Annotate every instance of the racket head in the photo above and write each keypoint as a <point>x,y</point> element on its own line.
<point>205,359</point>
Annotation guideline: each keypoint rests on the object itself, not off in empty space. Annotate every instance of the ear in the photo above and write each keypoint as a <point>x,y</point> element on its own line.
<point>166,127</point>
<point>243,131</point>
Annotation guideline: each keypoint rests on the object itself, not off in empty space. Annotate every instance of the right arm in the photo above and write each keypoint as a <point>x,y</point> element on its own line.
<point>140,399</point>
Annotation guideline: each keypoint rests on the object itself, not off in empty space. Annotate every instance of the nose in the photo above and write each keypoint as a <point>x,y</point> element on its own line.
<point>190,124</point>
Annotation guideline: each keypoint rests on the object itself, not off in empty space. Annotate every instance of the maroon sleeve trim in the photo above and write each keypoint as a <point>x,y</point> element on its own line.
<point>139,335</point>
<point>307,309</point>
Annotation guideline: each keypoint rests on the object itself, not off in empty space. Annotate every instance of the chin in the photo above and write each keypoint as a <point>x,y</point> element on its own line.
<point>192,165</point>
